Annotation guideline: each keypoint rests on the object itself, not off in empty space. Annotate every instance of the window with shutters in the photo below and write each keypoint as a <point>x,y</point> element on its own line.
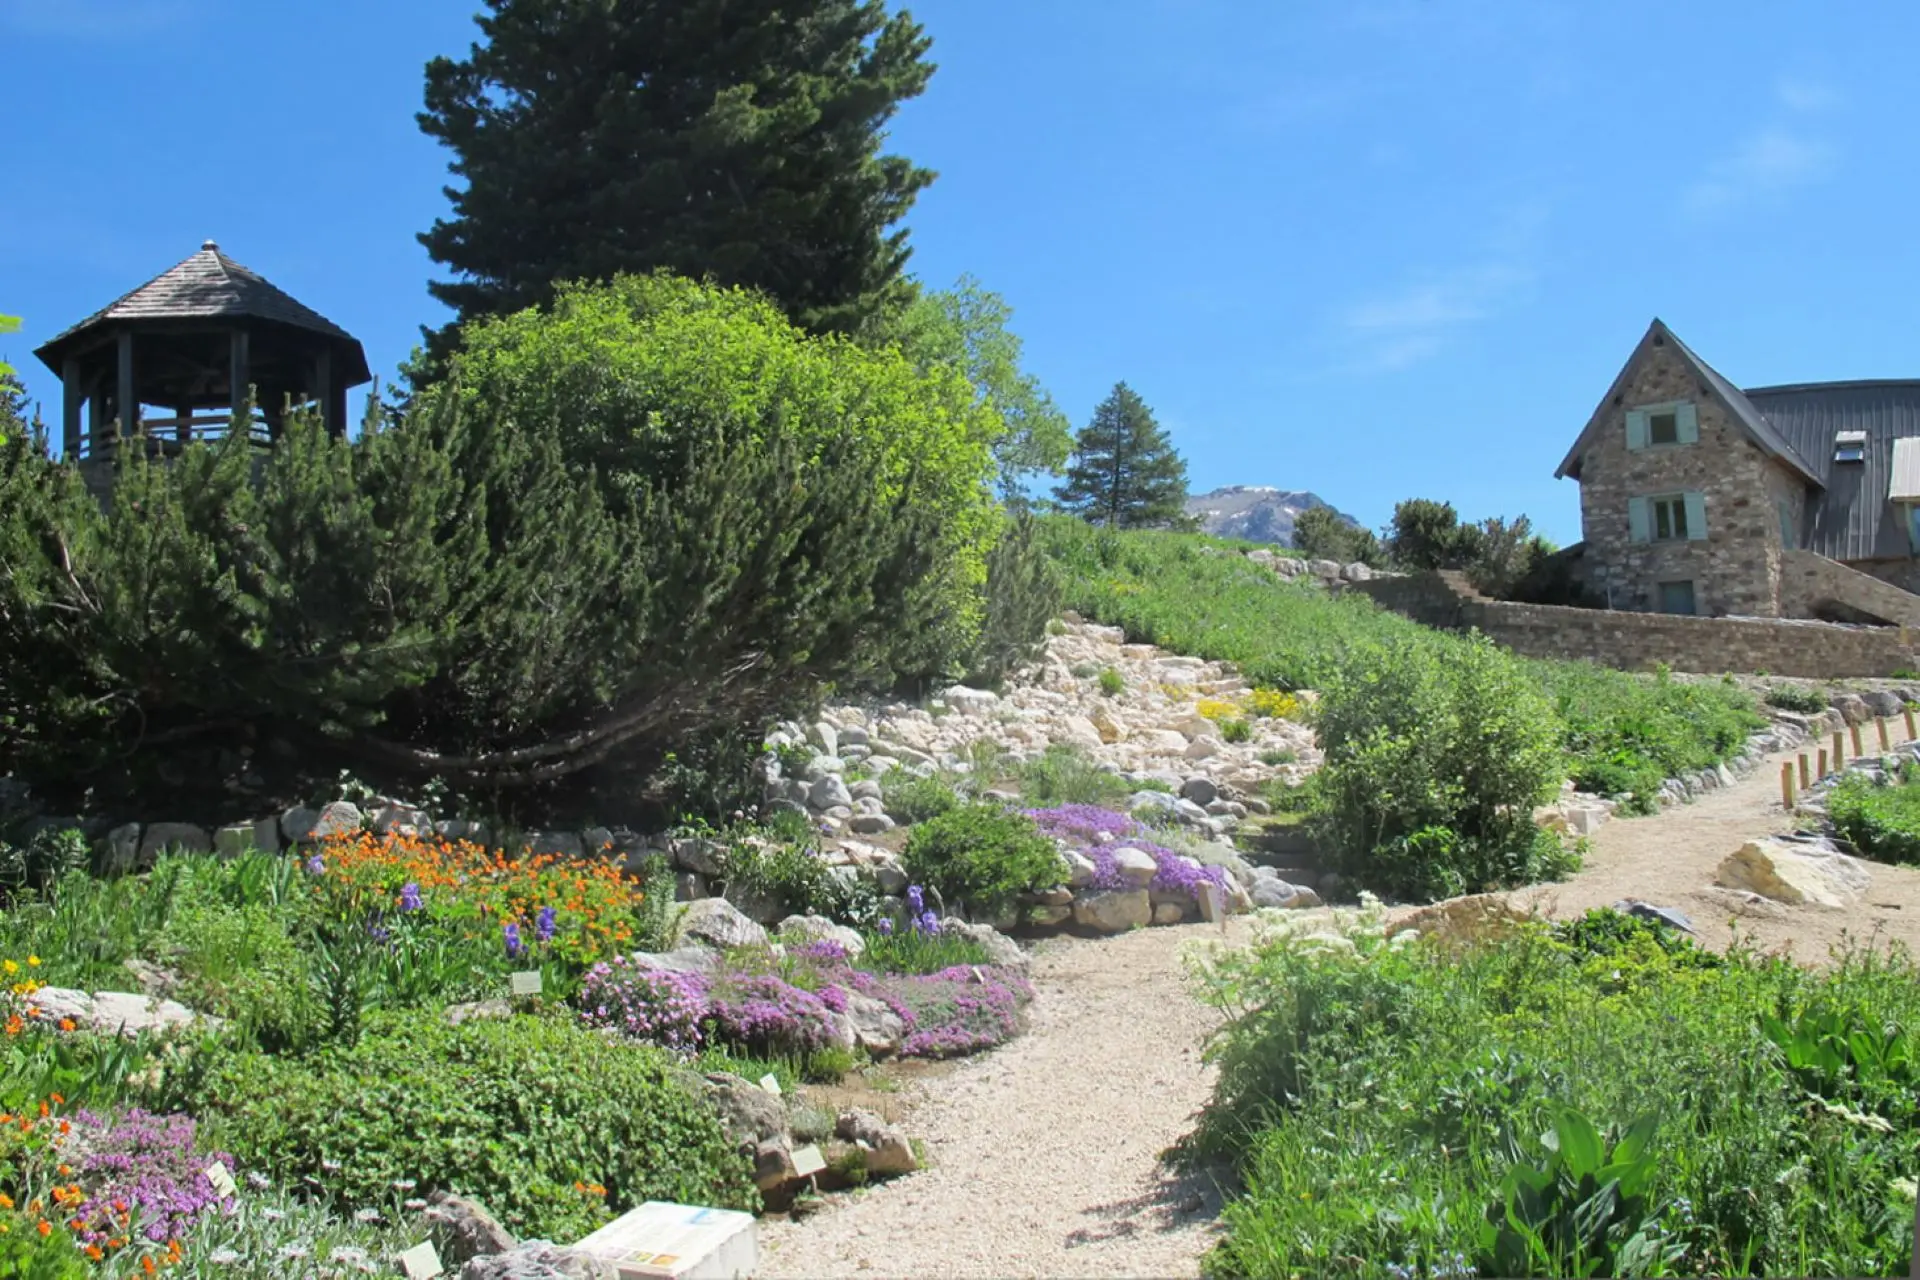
<point>1659,425</point>
<point>1670,518</point>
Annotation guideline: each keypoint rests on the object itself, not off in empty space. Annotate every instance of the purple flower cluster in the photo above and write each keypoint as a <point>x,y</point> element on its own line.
<point>410,897</point>
<point>543,925</point>
<point>918,916</point>
<point>958,1010</point>
<point>1083,825</point>
<point>511,937</point>
<point>646,1004</point>
<point>149,1163</point>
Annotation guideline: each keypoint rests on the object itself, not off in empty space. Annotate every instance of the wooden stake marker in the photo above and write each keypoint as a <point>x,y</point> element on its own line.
<point>1911,733</point>
<point>1858,750</point>
<point>1881,726</point>
<point>1786,785</point>
<point>1839,751</point>
<point>1806,779</point>
<point>1823,762</point>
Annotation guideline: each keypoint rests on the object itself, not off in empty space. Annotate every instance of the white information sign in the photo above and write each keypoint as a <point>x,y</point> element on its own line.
<point>422,1262</point>
<point>660,1241</point>
<point>527,983</point>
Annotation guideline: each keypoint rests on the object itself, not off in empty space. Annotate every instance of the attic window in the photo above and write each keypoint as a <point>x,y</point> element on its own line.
<point>1850,446</point>
<point>1663,428</point>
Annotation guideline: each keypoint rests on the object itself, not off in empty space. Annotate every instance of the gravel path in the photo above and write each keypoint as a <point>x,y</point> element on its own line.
<point>1670,859</point>
<point>1045,1153</point>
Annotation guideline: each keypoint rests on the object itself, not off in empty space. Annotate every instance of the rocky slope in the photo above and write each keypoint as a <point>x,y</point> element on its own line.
<point>1258,513</point>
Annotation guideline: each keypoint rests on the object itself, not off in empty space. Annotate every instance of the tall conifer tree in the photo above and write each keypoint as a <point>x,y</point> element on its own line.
<point>732,140</point>
<point>1125,472</point>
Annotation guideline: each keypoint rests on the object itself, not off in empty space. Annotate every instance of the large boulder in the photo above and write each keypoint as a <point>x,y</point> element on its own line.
<point>805,929</point>
<point>1001,950</point>
<point>1113,910</point>
<point>538,1260</point>
<point>463,1229</point>
<point>888,1152</point>
<point>1796,874</point>
<point>874,1025</point>
<point>748,1113</point>
<point>968,701</point>
<point>115,1012</point>
<point>830,792</point>
<point>179,837</point>
<point>717,923</point>
<point>1135,867</point>
<point>1884,702</point>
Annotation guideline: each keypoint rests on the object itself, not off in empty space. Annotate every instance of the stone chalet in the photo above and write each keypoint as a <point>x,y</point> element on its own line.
<point>1697,497</point>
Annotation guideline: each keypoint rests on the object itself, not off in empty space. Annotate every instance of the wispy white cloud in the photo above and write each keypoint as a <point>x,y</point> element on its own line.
<point>1405,326</point>
<point>1805,95</point>
<point>1772,160</point>
<point>93,19</point>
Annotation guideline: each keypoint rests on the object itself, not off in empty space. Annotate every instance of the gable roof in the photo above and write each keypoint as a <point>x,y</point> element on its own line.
<point>1745,415</point>
<point>207,286</point>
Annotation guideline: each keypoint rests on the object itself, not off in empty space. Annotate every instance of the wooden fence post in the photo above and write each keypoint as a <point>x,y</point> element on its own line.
<point>1805,780</point>
<point>1839,751</point>
<point>1858,750</point>
<point>1823,762</point>
<point>1911,732</point>
<point>1881,726</point>
<point>1786,786</point>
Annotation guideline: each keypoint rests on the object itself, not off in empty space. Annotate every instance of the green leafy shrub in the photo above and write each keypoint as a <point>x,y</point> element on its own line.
<point>1279,756</point>
<point>1433,767</point>
<point>1112,683</point>
<point>983,856</point>
<point>916,799</point>
<point>1063,774</point>
<point>1236,730</point>
<point>1801,698</point>
<point>513,1111</point>
<point>1384,1101</point>
<point>1882,821</point>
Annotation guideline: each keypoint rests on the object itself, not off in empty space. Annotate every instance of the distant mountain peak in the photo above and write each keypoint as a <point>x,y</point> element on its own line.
<point>1256,512</point>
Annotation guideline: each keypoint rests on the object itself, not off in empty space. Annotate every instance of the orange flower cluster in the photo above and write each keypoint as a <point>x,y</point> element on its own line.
<point>111,1226</point>
<point>17,999</point>
<point>593,899</point>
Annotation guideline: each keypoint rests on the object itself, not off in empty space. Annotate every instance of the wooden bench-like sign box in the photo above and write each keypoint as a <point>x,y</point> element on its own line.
<point>683,1242</point>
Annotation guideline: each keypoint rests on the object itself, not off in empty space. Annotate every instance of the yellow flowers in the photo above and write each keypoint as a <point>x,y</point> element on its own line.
<point>1218,708</point>
<point>1274,704</point>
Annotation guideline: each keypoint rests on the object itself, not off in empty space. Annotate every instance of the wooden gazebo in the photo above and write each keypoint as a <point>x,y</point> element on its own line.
<point>193,339</point>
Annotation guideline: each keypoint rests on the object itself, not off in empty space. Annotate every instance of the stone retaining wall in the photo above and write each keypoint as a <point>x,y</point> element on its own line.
<point>1635,641</point>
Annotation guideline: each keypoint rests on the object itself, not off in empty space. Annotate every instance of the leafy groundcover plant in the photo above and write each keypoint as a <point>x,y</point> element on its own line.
<point>1591,1099</point>
<point>1882,821</point>
<point>982,855</point>
<point>518,1112</point>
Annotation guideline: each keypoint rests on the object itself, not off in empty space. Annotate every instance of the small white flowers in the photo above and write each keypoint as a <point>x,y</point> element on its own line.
<point>224,1257</point>
<point>366,1215</point>
<point>258,1181</point>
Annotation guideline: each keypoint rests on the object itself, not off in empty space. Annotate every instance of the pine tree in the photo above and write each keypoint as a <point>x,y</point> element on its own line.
<point>737,140</point>
<point>1124,472</point>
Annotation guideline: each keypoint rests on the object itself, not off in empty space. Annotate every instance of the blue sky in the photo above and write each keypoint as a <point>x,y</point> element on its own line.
<point>1376,250</point>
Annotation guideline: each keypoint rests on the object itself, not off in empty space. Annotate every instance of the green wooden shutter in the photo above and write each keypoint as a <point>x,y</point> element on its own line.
<point>1787,538</point>
<point>1639,523</point>
<point>1696,515</point>
<point>1687,422</point>
<point>1636,428</point>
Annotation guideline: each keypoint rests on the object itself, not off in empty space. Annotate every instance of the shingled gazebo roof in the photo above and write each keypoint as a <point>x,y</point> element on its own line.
<point>208,286</point>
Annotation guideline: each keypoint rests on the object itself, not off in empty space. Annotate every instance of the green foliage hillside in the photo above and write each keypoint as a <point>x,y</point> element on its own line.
<point>1620,732</point>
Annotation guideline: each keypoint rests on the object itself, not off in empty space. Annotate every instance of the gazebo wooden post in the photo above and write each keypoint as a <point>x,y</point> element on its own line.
<point>72,394</point>
<point>240,373</point>
<point>125,406</point>
<point>332,415</point>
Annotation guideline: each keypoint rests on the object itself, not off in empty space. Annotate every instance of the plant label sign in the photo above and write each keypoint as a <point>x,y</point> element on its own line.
<point>660,1241</point>
<point>768,1083</point>
<point>808,1161</point>
<point>221,1179</point>
<point>1211,905</point>
<point>527,983</point>
<point>977,975</point>
<point>422,1262</point>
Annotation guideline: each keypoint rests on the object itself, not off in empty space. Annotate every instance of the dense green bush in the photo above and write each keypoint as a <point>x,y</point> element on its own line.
<point>1397,1109</point>
<point>1801,698</point>
<point>1627,734</point>
<point>1023,595</point>
<point>982,856</point>
<point>913,799</point>
<point>513,1111</point>
<point>1882,821</point>
<point>628,377</point>
<point>1435,758</point>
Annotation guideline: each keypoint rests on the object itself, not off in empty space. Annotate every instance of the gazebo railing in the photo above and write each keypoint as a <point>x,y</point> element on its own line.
<point>166,437</point>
